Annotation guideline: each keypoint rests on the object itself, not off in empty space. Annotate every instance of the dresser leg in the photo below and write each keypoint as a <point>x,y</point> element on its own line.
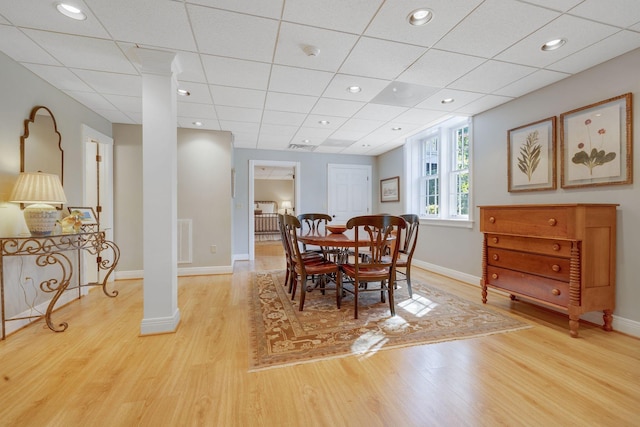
<point>574,322</point>
<point>607,317</point>
<point>484,292</point>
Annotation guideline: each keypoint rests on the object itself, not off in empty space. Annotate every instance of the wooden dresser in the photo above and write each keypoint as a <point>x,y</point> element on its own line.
<point>563,256</point>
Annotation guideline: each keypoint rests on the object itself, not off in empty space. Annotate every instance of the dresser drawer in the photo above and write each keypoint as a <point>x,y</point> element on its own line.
<point>531,221</point>
<point>553,247</point>
<point>542,265</point>
<point>548,290</point>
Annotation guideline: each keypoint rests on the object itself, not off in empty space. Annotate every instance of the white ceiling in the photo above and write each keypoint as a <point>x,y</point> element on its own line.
<point>246,69</point>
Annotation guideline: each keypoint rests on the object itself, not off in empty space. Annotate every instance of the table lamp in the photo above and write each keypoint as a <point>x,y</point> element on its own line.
<point>286,204</point>
<point>38,190</point>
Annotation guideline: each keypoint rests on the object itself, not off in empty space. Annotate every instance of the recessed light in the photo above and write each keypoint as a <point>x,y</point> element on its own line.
<point>553,44</point>
<point>306,141</point>
<point>71,11</point>
<point>420,17</point>
<point>199,124</point>
<point>366,145</point>
<point>354,89</point>
<point>323,122</point>
<point>183,92</point>
<point>396,128</point>
<point>447,101</point>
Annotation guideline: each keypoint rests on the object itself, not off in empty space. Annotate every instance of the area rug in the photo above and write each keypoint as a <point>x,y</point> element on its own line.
<point>282,335</point>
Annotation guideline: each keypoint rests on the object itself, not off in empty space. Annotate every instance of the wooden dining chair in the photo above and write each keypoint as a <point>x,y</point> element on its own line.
<point>290,259</point>
<point>406,247</point>
<point>323,270</point>
<point>379,265</point>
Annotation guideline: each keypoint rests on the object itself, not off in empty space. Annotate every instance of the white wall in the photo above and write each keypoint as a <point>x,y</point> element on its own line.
<point>459,250</point>
<point>204,195</point>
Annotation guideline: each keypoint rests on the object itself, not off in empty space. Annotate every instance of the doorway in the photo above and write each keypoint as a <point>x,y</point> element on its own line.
<point>296,202</point>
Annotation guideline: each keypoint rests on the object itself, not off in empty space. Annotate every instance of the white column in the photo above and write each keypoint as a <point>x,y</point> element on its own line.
<point>159,200</point>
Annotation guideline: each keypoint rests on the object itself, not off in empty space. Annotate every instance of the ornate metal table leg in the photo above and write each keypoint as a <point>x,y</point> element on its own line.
<point>109,265</point>
<point>53,285</point>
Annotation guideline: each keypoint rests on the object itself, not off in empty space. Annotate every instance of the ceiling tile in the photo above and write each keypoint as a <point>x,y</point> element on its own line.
<point>622,13</point>
<point>236,72</point>
<point>418,116</point>
<point>115,116</point>
<point>111,83</point>
<point>559,5</point>
<point>341,82</point>
<point>336,107</point>
<point>391,20</point>
<point>299,81</point>
<point>361,125</point>
<point>199,111</point>
<point>296,41</point>
<point>283,118</point>
<point>578,32</point>
<point>291,103</point>
<point>265,8</point>
<point>438,68</point>
<point>530,83</point>
<point>127,104</point>
<point>313,121</point>
<point>490,76</point>
<point>403,94</point>
<point>91,99</point>
<point>460,98</point>
<point>494,26</point>
<point>250,115</point>
<point>351,16</point>
<point>237,97</point>
<point>485,103</point>
<point>380,59</point>
<point>60,77</point>
<point>379,112</point>
<point>199,93</point>
<point>617,44</point>
<point>83,52</point>
<point>21,48</point>
<point>231,34</point>
<point>126,21</point>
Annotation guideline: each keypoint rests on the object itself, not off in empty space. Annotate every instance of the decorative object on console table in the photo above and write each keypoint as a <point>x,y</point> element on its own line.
<point>531,156</point>
<point>562,256</point>
<point>39,190</point>
<point>390,189</point>
<point>596,144</point>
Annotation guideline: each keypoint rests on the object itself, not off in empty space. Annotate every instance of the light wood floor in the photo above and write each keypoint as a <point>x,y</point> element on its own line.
<point>100,372</point>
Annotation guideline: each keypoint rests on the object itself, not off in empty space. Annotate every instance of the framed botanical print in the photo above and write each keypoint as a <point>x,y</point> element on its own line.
<point>596,144</point>
<point>390,189</point>
<point>531,154</point>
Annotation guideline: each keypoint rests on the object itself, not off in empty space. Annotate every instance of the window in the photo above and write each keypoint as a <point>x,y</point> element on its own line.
<point>439,165</point>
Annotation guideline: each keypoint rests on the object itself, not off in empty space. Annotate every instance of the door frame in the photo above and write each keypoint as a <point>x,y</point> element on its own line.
<point>296,186</point>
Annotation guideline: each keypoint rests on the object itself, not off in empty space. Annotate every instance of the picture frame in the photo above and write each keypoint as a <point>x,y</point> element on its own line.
<point>88,216</point>
<point>531,156</point>
<point>390,189</point>
<point>596,144</point>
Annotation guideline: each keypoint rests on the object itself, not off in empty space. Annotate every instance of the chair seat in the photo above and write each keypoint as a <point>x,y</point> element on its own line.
<point>379,273</point>
<point>325,267</point>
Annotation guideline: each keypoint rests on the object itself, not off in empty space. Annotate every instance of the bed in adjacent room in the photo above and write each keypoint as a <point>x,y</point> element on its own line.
<point>266,220</point>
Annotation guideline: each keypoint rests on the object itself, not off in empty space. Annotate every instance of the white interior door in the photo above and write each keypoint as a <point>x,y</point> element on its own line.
<point>349,191</point>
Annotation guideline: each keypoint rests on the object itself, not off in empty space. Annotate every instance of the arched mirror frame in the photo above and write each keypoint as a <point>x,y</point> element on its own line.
<point>23,141</point>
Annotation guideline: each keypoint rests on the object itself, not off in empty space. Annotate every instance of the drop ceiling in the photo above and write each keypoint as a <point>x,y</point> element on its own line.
<point>247,66</point>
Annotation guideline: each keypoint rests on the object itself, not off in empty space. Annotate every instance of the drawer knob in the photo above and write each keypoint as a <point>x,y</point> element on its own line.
<point>556,247</point>
<point>495,240</point>
<point>555,292</point>
<point>555,267</point>
<point>496,257</point>
<point>492,219</point>
<point>494,276</point>
<point>552,222</point>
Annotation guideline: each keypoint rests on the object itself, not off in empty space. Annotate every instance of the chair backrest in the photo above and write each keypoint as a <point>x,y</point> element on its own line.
<point>313,221</point>
<point>290,234</point>
<point>410,237</point>
<point>379,230</point>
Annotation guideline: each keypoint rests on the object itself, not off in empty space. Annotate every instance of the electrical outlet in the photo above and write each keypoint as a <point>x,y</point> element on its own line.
<point>214,249</point>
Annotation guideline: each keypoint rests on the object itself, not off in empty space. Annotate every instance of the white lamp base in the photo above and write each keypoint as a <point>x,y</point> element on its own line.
<point>41,218</point>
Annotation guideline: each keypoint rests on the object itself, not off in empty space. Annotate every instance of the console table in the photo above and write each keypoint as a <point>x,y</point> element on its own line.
<point>563,256</point>
<point>56,250</point>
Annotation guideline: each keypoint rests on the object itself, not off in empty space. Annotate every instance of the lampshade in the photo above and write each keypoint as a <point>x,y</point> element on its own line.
<point>38,190</point>
<point>286,204</point>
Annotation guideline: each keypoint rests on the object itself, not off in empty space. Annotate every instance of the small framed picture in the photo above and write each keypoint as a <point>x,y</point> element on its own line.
<point>87,215</point>
<point>531,152</point>
<point>390,189</point>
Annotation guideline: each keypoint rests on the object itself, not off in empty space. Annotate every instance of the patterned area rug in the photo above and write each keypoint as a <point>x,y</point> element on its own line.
<point>282,335</point>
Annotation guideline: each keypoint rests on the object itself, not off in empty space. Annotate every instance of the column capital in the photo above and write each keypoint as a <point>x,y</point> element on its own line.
<point>154,61</point>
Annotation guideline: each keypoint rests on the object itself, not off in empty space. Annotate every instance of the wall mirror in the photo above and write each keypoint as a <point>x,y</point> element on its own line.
<point>40,144</point>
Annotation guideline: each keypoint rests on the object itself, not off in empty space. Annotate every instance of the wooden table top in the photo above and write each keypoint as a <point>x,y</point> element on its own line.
<point>325,238</point>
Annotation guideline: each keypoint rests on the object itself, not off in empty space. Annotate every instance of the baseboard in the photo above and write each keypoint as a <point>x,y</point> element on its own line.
<point>67,297</point>
<point>191,271</point>
<point>160,325</point>
<point>619,324</point>
<point>241,257</point>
